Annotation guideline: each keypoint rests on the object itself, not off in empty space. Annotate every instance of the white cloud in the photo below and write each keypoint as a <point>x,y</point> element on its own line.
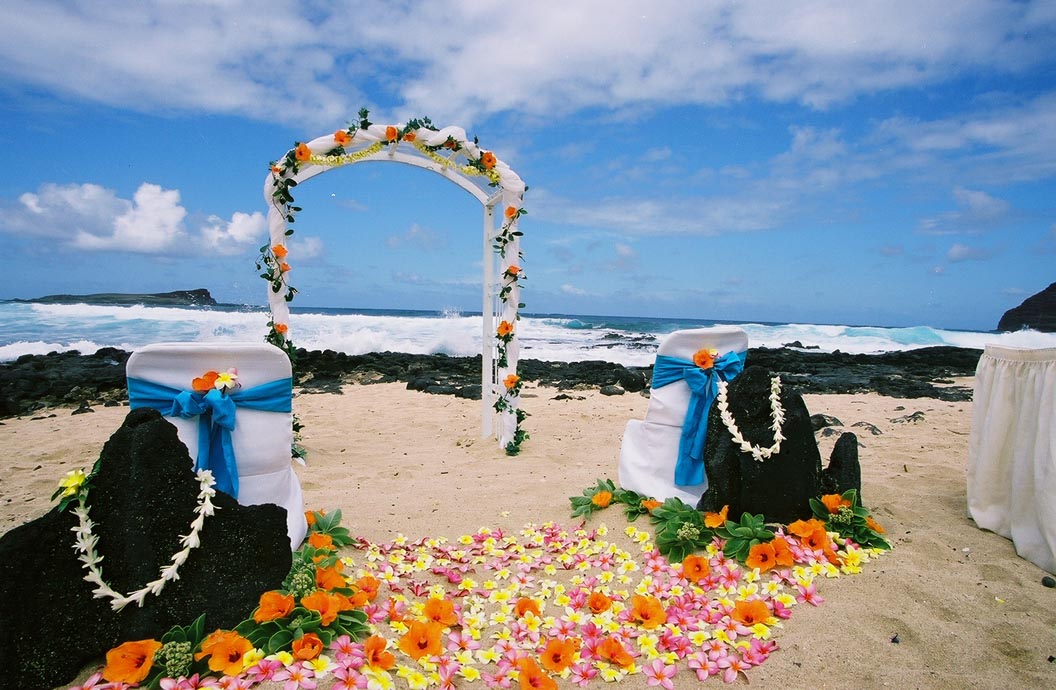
<point>963,252</point>
<point>979,211</point>
<point>422,238</point>
<point>542,57</point>
<point>569,289</point>
<point>89,217</point>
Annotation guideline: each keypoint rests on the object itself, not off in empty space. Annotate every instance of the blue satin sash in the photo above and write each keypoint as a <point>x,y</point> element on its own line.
<point>704,387</point>
<point>216,418</point>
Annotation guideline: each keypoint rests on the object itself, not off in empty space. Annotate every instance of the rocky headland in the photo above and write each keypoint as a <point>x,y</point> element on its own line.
<point>177,298</point>
<point>1037,312</point>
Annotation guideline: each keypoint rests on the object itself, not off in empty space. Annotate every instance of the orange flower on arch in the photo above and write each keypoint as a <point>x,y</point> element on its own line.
<point>513,270</point>
<point>648,611</point>
<point>391,133</point>
<point>376,656</point>
<point>751,612</point>
<point>410,136</point>
<point>705,357</point>
<point>511,381</point>
<point>559,654</point>
<point>511,212</point>
<point>505,328</point>
<point>834,501</point>
<point>308,647</point>
<point>531,677</point>
<point>695,568</point>
<point>302,153</point>
<point>342,137</point>
<point>602,499</point>
<point>488,160</point>
<point>804,528</point>
<point>761,556</point>
<point>279,251</point>
<point>598,602</point>
<point>440,611</point>
<point>130,662</point>
<point>225,649</point>
<point>718,519</point>
<point>422,639</point>
<point>273,605</point>
<point>611,649</point>
<point>281,329</point>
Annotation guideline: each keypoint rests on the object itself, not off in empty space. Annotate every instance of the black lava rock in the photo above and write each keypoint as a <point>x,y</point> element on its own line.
<point>141,500</point>
<point>844,472</point>
<point>779,487</point>
<point>820,421</point>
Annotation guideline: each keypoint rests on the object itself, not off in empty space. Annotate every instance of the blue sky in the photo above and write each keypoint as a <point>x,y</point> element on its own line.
<point>883,163</point>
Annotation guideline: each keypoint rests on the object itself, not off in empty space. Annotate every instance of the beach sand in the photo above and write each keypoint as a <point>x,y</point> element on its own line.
<point>967,612</point>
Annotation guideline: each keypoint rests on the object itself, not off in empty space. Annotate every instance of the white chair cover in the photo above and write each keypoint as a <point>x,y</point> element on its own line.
<point>1012,450</point>
<point>261,440</point>
<point>649,451</point>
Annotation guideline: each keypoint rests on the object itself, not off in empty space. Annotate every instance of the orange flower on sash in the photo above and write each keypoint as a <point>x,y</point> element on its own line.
<point>488,160</point>
<point>302,153</point>
<point>342,137</point>
<point>511,211</point>
<point>391,133</point>
<point>281,329</point>
<point>279,251</point>
<point>705,358</point>
<point>505,328</point>
<point>410,136</point>
<point>205,382</point>
<point>511,381</point>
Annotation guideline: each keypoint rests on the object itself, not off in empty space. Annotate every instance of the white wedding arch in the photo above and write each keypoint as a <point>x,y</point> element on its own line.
<point>451,154</point>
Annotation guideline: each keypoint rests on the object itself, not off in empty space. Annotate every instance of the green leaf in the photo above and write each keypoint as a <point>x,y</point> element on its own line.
<point>279,641</point>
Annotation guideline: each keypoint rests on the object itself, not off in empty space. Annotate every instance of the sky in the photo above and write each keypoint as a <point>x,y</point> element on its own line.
<point>874,163</point>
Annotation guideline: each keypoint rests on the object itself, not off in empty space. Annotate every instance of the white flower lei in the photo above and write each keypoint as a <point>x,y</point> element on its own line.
<point>86,543</point>
<point>777,414</point>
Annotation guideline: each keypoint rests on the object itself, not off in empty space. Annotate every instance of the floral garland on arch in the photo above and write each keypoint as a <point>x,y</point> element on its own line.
<point>450,149</point>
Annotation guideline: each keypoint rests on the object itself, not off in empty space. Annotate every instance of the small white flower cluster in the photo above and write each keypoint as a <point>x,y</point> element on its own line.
<point>87,541</point>
<point>777,414</point>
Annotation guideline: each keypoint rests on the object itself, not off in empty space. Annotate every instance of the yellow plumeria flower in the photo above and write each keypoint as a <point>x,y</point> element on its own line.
<point>251,658</point>
<point>760,631</point>
<point>699,637</point>
<point>320,665</point>
<point>378,680</point>
<point>488,656</point>
<point>71,483</point>
<point>470,673</point>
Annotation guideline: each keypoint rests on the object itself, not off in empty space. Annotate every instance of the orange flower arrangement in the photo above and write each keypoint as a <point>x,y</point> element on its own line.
<point>279,251</point>
<point>281,329</point>
<point>284,267</point>
<point>391,133</point>
<point>804,528</point>
<point>511,381</point>
<point>225,649</point>
<point>327,605</point>
<point>873,524</point>
<point>531,677</point>
<point>308,647</point>
<point>505,328</point>
<point>440,611</point>
<point>695,568</point>
<point>330,577</point>
<point>611,649</point>
<point>761,556</point>
<point>422,639</point>
<point>309,515</point>
<point>276,169</point>
<point>525,606</point>
<point>302,153</point>
<point>369,585</point>
<point>751,612</point>
<point>713,520</point>
<point>782,552</point>
<point>511,212</point>
<point>651,504</point>
<point>273,605</point>
<point>130,662</point>
<point>598,602</point>
<point>602,499</point>
<point>705,358</point>
<point>377,658</point>
<point>834,502</point>
<point>648,611</point>
<point>319,540</point>
<point>559,654</point>
<point>513,270</point>
<point>488,160</point>
<point>342,137</point>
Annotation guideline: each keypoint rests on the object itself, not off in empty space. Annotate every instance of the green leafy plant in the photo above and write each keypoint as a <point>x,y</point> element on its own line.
<point>680,529</point>
<point>175,659</point>
<point>594,498</point>
<point>742,536</point>
<point>851,520</point>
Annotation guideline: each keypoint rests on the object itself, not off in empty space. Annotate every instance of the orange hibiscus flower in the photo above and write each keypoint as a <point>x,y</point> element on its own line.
<point>279,251</point>
<point>761,556</point>
<point>410,136</point>
<point>205,382</point>
<point>391,133</point>
<point>598,602</point>
<point>513,269</point>
<point>648,611</point>
<point>504,329</point>
<point>225,649</point>
<point>751,612</point>
<point>308,647</point>
<point>440,611</point>
<point>377,658</point>
<point>525,605</point>
<point>705,358</point>
<point>327,605</point>
<point>422,639</point>
<point>368,585</point>
<point>818,539</point>
<point>602,499</point>
<point>531,677</point>
<point>695,568</point>
<point>834,501</point>
<point>873,524</point>
<point>511,381</point>
<point>511,211</point>
<point>342,137</point>
<point>281,329</point>
<point>718,519</point>
<point>302,153</point>
<point>331,577</point>
<point>804,528</point>
<point>559,654</point>
<point>130,662</point>
<point>273,605</point>
<point>488,160</point>
<point>782,552</point>
<point>318,540</point>
<point>651,504</point>
<point>611,649</point>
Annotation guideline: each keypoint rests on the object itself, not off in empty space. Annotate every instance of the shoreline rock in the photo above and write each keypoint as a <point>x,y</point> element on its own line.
<point>178,298</point>
<point>33,383</point>
<point>1037,312</point>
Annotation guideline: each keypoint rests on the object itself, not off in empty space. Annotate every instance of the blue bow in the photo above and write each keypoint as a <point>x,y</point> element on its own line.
<point>704,386</point>
<point>216,418</point>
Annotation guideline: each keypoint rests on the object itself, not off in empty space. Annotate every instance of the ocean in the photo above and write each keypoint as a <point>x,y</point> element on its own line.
<point>41,328</point>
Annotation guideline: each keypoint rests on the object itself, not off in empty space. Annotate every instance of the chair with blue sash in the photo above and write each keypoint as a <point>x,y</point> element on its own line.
<point>662,455</point>
<point>243,433</point>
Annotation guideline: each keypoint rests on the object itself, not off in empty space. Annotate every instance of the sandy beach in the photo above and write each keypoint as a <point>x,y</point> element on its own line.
<point>951,606</point>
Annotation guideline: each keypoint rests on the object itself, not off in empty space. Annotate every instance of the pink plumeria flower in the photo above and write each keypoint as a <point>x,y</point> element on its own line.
<point>90,683</point>
<point>809,595</point>
<point>659,673</point>
<point>734,666</point>
<point>296,677</point>
<point>349,679</point>
<point>703,666</point>
<point>582,674</point>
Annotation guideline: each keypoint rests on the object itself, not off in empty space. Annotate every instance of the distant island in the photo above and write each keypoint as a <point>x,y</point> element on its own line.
<point>177,298</point>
